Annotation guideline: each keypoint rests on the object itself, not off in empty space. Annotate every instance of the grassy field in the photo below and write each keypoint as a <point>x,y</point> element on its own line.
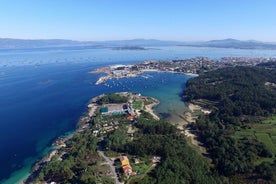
<point>137,104</point>
<point>140,168</point>
<point>265,132</point>
<point>266,139</point>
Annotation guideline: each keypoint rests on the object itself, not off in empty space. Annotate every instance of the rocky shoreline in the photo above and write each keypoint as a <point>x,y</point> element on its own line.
<point>83,124</point>
<point>61,142</point>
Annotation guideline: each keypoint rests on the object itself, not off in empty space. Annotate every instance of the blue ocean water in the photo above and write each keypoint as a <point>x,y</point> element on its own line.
<point>44,92</point>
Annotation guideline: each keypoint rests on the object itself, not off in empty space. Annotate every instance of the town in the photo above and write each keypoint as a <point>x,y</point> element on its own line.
<point>192,66</point>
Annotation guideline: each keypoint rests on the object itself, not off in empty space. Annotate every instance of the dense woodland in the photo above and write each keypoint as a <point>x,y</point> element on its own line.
<point>179,163</point>
<point>269,64</point>
<point>240,98</point>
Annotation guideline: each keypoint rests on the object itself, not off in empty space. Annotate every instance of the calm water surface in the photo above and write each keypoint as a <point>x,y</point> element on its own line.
<point>44,92</point>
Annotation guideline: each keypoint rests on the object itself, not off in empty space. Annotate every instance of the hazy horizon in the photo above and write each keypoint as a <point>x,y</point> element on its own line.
<point>102,20</point>
<point>133,39</point>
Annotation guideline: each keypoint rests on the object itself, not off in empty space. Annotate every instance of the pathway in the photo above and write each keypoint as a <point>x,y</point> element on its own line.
<point>111,164</point>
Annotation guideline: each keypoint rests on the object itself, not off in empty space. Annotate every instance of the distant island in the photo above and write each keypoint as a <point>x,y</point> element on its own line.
<point>129,48</point>
<point>8,43</point>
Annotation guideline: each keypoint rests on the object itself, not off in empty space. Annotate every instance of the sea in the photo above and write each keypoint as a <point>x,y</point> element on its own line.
<point>44,92</point>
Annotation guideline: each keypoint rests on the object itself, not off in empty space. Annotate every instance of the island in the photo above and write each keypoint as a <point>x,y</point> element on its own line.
<point>130,48</point>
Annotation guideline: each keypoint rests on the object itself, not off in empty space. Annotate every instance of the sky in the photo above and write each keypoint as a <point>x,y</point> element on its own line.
<point>99,20</point>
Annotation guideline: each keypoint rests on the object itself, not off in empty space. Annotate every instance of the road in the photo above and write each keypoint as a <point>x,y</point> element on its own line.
<point>112,167</point>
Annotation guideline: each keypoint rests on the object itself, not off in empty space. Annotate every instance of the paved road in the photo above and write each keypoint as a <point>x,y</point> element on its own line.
<point>110,163</point>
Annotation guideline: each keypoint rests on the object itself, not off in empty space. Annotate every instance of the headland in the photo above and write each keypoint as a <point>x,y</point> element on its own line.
<point>123,108</point>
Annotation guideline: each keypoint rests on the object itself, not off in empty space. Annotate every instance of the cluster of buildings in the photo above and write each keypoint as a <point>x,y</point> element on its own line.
<point>189,66</point>
<point>104,127</point>
<point>200,64</point>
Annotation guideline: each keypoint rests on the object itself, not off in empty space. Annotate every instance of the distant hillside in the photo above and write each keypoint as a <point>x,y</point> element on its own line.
<point>8,43</point>
<point>19,43</point>
<point>232,43</point>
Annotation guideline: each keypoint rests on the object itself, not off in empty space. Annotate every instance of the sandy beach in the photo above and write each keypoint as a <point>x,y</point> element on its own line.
<point>190,116</point>
<point>149,109</point>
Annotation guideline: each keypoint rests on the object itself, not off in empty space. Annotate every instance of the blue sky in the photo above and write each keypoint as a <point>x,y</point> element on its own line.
<point>182,20</point>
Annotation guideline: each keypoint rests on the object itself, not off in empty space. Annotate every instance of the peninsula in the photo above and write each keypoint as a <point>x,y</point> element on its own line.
<point>192,66</point>
<point>120,141</point>
<point>106,114</point>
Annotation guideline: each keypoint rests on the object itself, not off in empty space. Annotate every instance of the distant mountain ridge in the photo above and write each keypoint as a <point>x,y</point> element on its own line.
<point>233,43</point>
<point>9,43</point>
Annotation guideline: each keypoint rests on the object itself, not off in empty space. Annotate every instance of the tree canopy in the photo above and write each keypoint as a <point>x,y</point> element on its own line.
<point>240,99</point>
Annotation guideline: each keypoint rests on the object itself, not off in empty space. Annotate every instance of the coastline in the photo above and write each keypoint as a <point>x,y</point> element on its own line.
<point>112,72</point>
<point>82,125</point>
<point>190,116</point>
<point>149,108</point>
<point>59,143</point>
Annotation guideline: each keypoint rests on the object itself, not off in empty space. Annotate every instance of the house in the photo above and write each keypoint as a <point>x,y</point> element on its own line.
<point>95,132</point>
<point>130,118</point>
<point>116,122</point>
<point>127,169</point>
<point>124,160</point>
<point>132,113</point>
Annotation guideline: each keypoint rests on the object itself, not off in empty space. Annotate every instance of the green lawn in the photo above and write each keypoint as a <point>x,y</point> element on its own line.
<point>137,104</point>
<point>271,120</point>
<point>245,133</point>
<point>140,168</point>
